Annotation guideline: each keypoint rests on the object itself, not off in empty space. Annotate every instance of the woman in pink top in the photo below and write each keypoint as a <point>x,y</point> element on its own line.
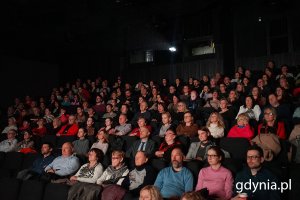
<point>242,129</point>
<point>217,179</point>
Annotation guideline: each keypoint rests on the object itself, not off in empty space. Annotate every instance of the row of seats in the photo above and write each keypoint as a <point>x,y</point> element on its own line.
<point>14,189</point>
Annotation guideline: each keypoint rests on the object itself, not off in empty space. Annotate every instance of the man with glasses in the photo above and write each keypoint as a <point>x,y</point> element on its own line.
<point>254,179</point>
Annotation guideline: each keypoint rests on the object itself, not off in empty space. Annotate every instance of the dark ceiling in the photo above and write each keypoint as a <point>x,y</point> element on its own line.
<point>51,30</point>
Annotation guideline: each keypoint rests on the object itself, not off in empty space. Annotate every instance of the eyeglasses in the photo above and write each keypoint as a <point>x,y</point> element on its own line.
<point>270,114</point>
<point>252,157</point>
<point>212,156</point>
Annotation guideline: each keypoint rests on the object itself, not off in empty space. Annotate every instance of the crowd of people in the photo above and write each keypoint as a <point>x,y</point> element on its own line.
<point>171,124</point>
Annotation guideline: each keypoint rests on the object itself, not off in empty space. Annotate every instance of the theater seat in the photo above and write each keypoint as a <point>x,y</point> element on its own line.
<point>56,191</point>
<point>9,188</point>
<point>31,190</point>
<point>237,147</point>
<point>11,164</point>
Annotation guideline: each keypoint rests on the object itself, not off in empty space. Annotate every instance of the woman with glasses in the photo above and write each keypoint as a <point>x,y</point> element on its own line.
<point>271,125</point>
<point>216,178</point>
<point>116,172</point>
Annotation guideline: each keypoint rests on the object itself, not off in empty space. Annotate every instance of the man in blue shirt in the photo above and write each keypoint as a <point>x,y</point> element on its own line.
<point>63,165</point>
<point>175,180</point>
<point>39,163</point>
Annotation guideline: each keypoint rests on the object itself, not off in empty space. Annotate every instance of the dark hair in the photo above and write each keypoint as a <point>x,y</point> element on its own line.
<point>218,151</point>
<point>253,101</point>
<point>99,154</point>
<point>49,144</point>
<point>256,148</point>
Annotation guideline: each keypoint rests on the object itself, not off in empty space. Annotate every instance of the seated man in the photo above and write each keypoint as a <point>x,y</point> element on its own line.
<point>124,128</point>
<point>10,143</point>
<point>175,180</point>
<point>141,175</point>
<point>64,165</point>
<point>69,129</point>
<point>143,144</point>
<point>39,164</point>
<point>256,174</point>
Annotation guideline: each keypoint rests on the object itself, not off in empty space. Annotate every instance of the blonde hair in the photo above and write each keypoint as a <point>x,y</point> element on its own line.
<point>220,120</point>
<point>154,192</point>
<point>118,153</point>
<point>192,195</point>
<point>243,116</point>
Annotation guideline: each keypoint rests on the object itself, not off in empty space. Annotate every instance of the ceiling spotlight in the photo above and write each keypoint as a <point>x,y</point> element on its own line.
<point>172,49</point>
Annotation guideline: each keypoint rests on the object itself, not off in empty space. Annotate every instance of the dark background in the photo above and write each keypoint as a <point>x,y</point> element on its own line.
<point>46,43</point>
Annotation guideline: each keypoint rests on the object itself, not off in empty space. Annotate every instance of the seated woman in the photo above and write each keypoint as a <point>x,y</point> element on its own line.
<point>178,115</point>
<point>271,125</point>
<point>91,171</point>
<point>250,108</point>
<point>198,150</point>
<point>116,172</point>
<point>102,142</point>
<point>150,192</point>
<point>217,179</point>
<point>215,125</point>
<point>27,144</point>
<point>165,125</point>
<point>166,147</point>
<point>108,126</point>
<point>188,127</point>
<point>227,114</point>
<point>242,129</point>
<point>88,173</point>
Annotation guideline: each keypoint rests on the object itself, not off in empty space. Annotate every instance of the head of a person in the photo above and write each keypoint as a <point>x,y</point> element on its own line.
<point>144,132</point>
<point>249,102</point>
<point>161,107</point>
<point>124,108</point>
<point>95,155</point>
<point>194,95</point>
<point>81,132</point>
<point>109,108</point>
<point>166,118</point>
<point>11,134</point>
<point>215,118</point>
<point>270,114</point>
<point>108,121</point>
<point>273,100</point>
<point>117,158</point>
<point>255,157</point>
<point>11,121</point>
<point>170,136</point>
<point>141,122</point>
<point>67,149</point>
<point>122,119</point>
<point>181,107</point>
<point>27,135</point>
<point>46,148</point>
<point>102,135</point>
<point>90,121</point>
<point>242,119</point>
<point>150,192</point>
<point>188,117</point>
<point>143,106</point>
<point>192,196</point>
<point>215,155</point>
<point>223,103</point>
<point>177,158</point>
<point>175,99</point>
<point>203,134</point>
<point>140,158</point>
<point>72,119</point>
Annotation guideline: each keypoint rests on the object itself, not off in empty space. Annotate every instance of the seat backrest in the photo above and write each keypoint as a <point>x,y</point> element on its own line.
<point>13,161</point>
<point>31,190</point>
<point>237,147</point>
<point>63,139</point>
<point>9,188</point>
<point>129,140</point>
<point>49,139</point>
<point>28,160</point>
<point>55,191</point>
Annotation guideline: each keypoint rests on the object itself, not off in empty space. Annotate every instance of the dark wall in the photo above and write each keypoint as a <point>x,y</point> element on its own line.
<point>23,77</point>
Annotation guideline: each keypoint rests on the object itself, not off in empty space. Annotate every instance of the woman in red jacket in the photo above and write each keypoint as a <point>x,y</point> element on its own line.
<point>271,125</point>
<point>242,129</point>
